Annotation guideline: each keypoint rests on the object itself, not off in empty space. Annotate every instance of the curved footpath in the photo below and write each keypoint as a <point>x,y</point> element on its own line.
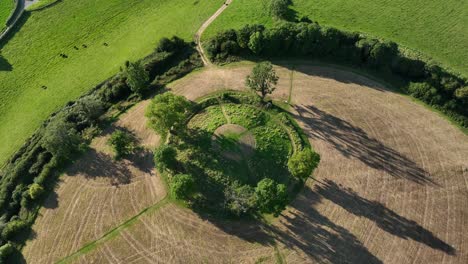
<point>205,59</point>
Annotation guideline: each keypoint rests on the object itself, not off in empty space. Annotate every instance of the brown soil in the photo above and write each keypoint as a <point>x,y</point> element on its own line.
<point>392,187</point>
<point>246,141</point>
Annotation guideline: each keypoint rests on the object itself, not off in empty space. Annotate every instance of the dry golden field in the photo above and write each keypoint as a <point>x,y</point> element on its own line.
<point>392,187</point>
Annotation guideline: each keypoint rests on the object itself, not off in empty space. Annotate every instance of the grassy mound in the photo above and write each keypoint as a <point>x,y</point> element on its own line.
<point>438,30</point>
<point>232,148</point>
<point>36,80</point>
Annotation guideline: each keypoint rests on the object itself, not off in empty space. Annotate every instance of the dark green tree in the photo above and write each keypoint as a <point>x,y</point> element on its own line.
<point>61,138</point>
<point>167,113</point>
<point>165,157</point>
<point>122,142</point>
<point>137,78</point>
<point>182,186</point>
<point>263,79</point>
<point>256,42</point>
<point>279,8</point>
<point>270,196</point>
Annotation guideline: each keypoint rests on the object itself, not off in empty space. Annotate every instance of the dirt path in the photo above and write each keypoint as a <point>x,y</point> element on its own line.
<point>205,59</point>
<point>391,187</point>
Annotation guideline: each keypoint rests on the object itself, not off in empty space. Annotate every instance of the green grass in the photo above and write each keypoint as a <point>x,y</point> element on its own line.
<point>6,7</point>
<point>436,28</point>
<point>132,29</point>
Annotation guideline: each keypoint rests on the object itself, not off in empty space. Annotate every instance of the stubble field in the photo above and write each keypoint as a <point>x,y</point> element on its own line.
<point>392,186</point>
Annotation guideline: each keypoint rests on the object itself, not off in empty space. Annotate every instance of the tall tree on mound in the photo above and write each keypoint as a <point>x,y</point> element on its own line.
<point>167,113</point>
<point>263,79</point>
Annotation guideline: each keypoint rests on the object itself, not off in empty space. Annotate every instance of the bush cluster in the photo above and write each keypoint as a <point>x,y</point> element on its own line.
<point>197,174</point>
<point>302,163</point>
<point>426,81</point>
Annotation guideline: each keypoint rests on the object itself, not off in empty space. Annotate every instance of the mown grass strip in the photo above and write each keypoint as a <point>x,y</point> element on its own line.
<point>114,232</point>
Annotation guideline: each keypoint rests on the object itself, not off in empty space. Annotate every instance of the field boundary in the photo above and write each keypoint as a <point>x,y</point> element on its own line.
<point>114,231</point>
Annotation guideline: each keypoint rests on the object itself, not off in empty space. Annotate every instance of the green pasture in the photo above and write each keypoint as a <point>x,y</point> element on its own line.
<point>35,80</point>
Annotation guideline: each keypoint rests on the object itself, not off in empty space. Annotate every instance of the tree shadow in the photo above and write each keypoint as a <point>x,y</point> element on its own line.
<point>317,236</point>
<point>303,229</point>
<point>384,218</point>
<point>5,65</point>
<point>142,159</point>
<point>51,201</point>
<point>99,165</point>
<point>329,72</point>
<point>352,141</point>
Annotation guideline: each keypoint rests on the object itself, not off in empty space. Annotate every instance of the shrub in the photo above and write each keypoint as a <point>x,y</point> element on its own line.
<point>462,93</point>
<point>122,142</point>
<point>182,186</point>
<point>302,163</point>
<point>256,42</point>
<point>86,111</point>
<point>13,228</point>
<point>5,251</point>
<point>35,191</point>
<point>165,157</point>
<point>425,92</point>
<point>245,33</point>
<point>270,196</point>
<point>279,8</point>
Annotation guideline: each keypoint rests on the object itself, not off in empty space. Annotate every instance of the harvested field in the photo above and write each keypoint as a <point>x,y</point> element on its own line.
<point>392,187</point>
<point>96,194</point>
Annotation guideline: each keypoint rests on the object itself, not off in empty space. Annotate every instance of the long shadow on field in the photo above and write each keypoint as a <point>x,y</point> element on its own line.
<point>383,217</point>
<point>317,236</point>
<point>95,164</point>
<point>5,65</point>
<point>307,231</point>
<point>352,141</point>
<point>330,73</point>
